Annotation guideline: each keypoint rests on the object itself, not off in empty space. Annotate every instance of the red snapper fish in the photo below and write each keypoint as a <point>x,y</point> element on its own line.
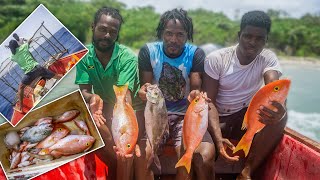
<point>69,145</point>
<point>124,122</point>
<point>59,131</point>
<point>195,126</point>
<point>274,91</point>
<point>82,125</point>
<point>66,116</point>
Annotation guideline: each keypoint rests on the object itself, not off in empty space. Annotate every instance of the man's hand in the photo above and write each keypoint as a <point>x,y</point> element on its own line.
<point>123,157</point>
<point>96,107</point>
<point>193,94</point>
<point>269,116</point>
<point>223,152</point>
<point>143,92</point>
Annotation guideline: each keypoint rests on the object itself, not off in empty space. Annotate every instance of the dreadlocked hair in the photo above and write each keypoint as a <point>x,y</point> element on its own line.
<point>176,14</point>
<point>257,19</point>
<point>114,13</point>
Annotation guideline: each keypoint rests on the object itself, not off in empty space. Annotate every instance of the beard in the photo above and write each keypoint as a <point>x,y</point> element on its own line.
<point>109,44</point>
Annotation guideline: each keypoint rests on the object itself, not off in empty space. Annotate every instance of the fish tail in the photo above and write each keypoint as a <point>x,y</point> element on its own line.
<point>185,161</point>
<point>120,91</point>
<point>154,158</point>
<point>244,144</point>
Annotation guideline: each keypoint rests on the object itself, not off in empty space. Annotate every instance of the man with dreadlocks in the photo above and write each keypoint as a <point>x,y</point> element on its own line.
<point>176,66</point>
<point>232,76</point>
<point>108,63</point>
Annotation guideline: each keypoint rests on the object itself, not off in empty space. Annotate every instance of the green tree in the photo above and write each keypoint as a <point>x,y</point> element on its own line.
<point>139,27</point>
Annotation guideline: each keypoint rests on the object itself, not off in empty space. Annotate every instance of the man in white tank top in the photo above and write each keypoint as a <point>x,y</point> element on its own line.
<point>232,76</point>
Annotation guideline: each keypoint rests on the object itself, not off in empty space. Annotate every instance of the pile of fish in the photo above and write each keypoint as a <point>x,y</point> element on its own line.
<point>49,138</point>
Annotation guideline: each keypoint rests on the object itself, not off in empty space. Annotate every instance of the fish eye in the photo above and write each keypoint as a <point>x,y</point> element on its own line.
<point>128,145</point>
<point>59,129</point>
<point>277,88</point>
<point>196,100</point>
<point>87,144</point>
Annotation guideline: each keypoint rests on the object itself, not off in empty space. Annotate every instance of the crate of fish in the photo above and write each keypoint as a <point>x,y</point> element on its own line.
<point>48,137</point>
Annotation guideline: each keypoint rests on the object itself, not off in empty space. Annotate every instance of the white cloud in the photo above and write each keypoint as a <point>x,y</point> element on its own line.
<point>295,8</point>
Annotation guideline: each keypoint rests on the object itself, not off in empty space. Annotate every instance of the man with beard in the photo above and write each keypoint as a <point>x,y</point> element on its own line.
<point>177,67</point>
<point>232,76</point>
<point>108,63</point>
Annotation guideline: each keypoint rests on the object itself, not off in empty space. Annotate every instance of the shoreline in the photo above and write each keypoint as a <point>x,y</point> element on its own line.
<point>293,60</point>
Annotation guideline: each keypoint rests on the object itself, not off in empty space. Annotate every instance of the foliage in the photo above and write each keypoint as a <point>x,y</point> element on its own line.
<point>289,36</point>
<point>139,27</point>
<point>211,27</point>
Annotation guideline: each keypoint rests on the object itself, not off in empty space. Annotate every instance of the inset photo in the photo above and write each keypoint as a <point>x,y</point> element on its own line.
<point>32,61</point>
<point>2,175</point>
<point>48,137</point>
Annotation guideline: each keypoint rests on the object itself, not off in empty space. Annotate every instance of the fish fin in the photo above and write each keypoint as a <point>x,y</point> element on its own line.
<point>166,130</point>
<point>185,161</point>
<point>120,90</point>
<point>244,144</point>
<point>245,122</point>
<point>157,162</point>
<point>154,158</point>
<point>150,160</point>
<point>184,144</point>
<point>260,129</point>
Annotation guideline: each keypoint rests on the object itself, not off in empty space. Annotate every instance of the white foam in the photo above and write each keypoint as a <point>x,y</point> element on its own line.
<point>307,124</point>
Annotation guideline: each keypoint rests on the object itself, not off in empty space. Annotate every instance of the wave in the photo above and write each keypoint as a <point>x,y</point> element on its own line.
<point>307,124</point>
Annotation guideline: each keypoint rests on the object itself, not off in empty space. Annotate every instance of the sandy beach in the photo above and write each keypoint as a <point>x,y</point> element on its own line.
<point>293,60</point>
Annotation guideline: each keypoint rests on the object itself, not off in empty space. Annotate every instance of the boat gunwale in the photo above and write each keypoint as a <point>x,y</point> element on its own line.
<point>303,139</point>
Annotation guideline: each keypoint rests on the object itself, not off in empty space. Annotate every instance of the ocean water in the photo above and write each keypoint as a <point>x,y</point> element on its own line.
<point>14,76</point>
<point>303,101</point>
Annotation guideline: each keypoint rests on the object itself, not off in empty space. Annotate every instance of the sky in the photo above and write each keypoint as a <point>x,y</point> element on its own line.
<point>295,8</point>
<point>29,26</point>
